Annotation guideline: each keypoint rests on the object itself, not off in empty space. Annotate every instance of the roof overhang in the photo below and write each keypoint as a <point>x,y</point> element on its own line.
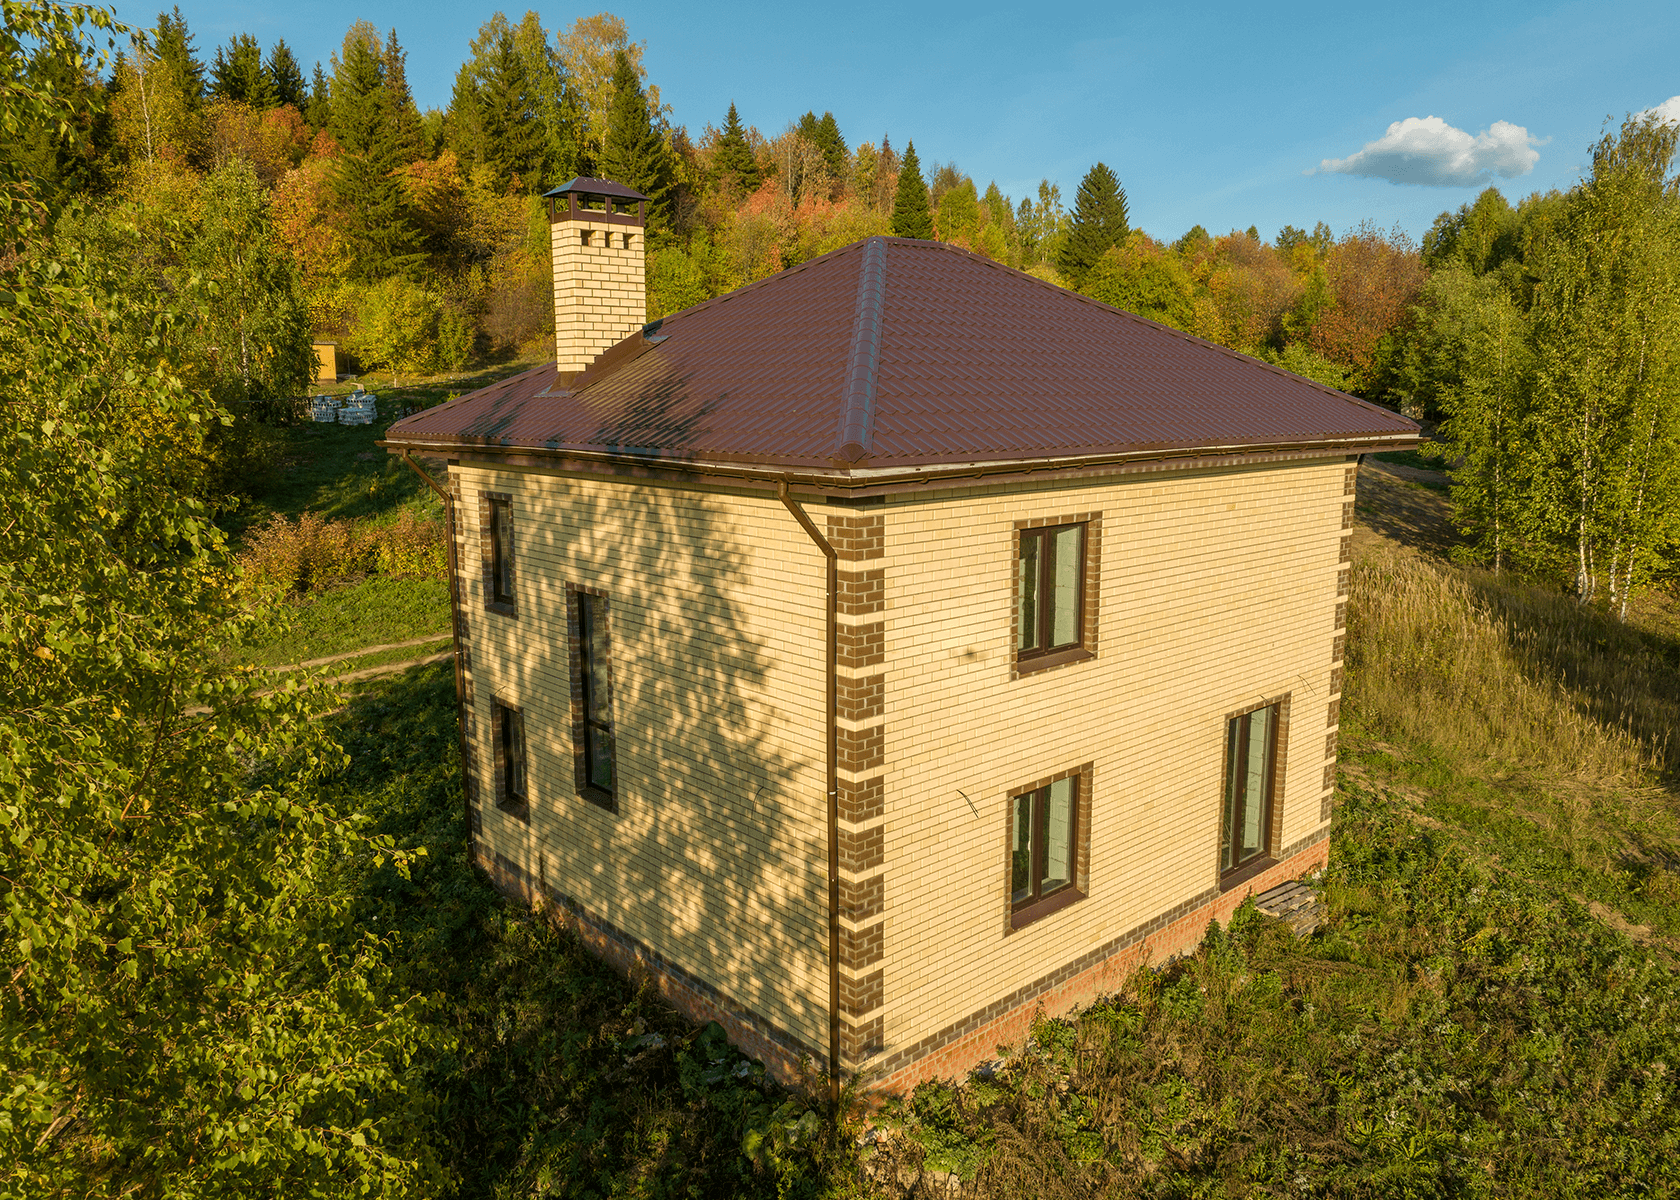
<point>865,482</point>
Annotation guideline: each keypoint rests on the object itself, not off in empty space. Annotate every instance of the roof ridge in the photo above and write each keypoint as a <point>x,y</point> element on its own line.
<point>857,420</point>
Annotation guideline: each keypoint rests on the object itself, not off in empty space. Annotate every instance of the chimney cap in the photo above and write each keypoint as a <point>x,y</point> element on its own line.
<point>596,187</point>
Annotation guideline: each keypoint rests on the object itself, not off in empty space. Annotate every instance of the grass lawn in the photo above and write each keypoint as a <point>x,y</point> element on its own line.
<point>336,470</point>
<point>374,612</point>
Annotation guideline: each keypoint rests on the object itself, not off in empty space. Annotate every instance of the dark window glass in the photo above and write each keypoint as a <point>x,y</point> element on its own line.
<point>501,551</point>
<point>1250,743</point>
<point>1051,589</point>
<point>594,661</point>
<point>511,725</point>
<point>1043,841</point>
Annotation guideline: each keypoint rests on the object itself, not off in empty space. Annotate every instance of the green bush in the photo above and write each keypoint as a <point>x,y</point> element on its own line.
<point>296,557</point>
<point>404,327</point>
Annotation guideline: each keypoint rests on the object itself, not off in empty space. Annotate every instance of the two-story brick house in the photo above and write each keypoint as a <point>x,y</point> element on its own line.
<point>896,644</point>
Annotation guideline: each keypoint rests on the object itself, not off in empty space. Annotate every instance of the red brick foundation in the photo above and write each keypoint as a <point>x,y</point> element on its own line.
<point>951,1054</point>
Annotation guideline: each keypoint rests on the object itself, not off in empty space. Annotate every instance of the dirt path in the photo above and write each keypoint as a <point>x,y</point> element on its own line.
<point>362,653</point>
<point>1395,507</point>
<point>392,668</point>
<point>395,668</point>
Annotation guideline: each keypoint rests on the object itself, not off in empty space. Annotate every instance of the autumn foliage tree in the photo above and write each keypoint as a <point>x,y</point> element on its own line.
<point>1372,282</point>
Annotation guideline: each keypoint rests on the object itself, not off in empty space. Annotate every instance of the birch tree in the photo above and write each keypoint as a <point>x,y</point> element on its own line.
<point>1606,321</point>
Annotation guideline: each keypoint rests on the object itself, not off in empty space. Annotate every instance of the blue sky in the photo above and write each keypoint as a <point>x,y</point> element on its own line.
<point>1211,115</point>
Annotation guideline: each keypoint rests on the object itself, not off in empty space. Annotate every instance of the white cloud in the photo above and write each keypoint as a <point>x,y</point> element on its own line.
<point>1668,110</point>
<point>1430,153</point>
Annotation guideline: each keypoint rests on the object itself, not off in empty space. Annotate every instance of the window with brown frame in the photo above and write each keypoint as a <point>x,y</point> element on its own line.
<point>501,551</point>
<point>508,728</point>
<point>495,516</point>
<point>1050,595</point>
<point>593,737</point>
<point>1251,751</point>
<point>1049,831</point>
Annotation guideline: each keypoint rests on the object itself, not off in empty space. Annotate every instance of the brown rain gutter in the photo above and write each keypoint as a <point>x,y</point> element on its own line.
<point>455,631</point>
<point>831,609</point>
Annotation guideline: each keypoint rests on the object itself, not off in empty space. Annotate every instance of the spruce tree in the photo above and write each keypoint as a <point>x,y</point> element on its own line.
<point>463,124</point>
<point>365,180</point>
<point>1099,222</point>
<point>911,218</point>
<point>733,157</point>
<point>175,48</point>
<point>238,74</point>
<point>512,137</point>
<point>833,146</point>
<point>403,116</point>
<point>635,153</point>
<point>824,134</point>
<point>318,107</point>
<point>287,76</point>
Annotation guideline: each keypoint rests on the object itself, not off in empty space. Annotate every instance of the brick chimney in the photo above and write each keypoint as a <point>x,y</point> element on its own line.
<point>596,229</point>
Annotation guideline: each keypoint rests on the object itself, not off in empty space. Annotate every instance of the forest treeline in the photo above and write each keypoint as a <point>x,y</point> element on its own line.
<point>1540,334</point>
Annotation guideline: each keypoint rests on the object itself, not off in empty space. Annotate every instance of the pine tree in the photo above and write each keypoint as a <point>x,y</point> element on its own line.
<point>364,182</point>
<point>1099,221</point>
<point>238,74</point>
<point>318,107</point>
<point>175,48</point>
<point>635,153</point>
<point>402,115</point>
<point>911,217</point>
<point>733,157</point>
<point>287,76</point>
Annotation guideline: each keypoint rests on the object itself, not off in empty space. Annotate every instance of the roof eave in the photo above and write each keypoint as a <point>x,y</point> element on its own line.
<point>863,479</point>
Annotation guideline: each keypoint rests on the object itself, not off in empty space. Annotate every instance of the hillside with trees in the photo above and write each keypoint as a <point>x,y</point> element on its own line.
<point>242,947</point>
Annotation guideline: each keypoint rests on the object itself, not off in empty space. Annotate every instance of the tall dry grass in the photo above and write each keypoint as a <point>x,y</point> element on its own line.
<point>1485,669</point>
<point>294,557</point>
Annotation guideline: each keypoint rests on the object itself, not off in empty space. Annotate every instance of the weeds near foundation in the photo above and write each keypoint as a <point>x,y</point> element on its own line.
<point>1454,1030</point>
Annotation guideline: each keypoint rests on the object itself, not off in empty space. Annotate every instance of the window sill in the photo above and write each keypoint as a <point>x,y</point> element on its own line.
<point>1241,875</point>
<point>599,797</point>
<point>1022,917</point>
<point>519,809</point>
<point>1061,658</point>
<point>501,606</point>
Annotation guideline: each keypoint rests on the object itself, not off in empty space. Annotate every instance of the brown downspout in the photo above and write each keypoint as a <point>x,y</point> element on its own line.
<point>831,607</point>
<point>455,631</point>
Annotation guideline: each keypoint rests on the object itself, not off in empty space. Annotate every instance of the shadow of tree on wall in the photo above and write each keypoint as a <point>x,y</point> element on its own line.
<point>716,858</point>
<point>533,1092</point>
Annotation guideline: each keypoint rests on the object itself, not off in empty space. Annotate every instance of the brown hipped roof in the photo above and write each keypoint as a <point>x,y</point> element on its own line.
<point>893,356</point>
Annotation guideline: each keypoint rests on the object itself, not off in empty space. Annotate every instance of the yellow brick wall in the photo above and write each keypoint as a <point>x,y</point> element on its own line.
<point>600,291</point>
<point>1218,590</point>
<point>717,856</point>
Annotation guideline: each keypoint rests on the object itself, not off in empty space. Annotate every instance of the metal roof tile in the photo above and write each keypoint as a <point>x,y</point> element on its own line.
<point>972,361</point>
